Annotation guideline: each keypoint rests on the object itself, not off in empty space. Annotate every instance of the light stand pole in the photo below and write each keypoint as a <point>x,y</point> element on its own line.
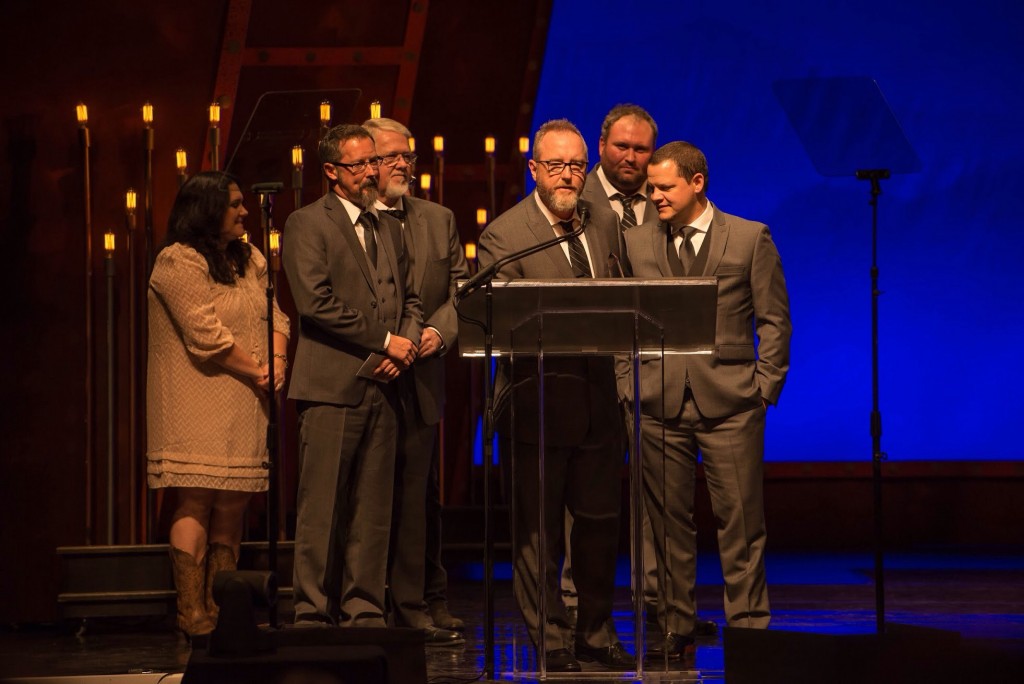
<point>82,114</point>
<point>215,136</point>
<point>131,199</point>
<point>439,164</point>
<point>111,271</point>
<point>877,455</point>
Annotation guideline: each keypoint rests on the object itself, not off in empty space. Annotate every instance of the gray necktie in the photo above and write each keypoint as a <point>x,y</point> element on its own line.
<point>369,223</point>
<point>628,215</point>
<point>687,255</point>
<point>577,254</point>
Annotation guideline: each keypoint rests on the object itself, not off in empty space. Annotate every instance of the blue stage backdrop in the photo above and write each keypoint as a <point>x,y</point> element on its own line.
<point>950,238</point>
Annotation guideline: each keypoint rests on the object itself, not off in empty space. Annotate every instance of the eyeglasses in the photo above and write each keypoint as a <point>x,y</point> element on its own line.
<point>556,168</point>
<point>359,166</point>
<point>390,160</point>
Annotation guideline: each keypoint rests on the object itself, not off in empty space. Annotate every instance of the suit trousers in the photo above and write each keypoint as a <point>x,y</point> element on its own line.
<point>346,479</point>
<point>585,480</point>
<point>417,448</point>
<point>732,449</point>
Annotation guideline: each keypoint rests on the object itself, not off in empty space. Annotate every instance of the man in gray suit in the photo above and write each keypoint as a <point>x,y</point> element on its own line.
<point>358,319</point>
<point>716,404</point>
<point>619,181</point>
<point>418,582</point>
<point>583,436</point>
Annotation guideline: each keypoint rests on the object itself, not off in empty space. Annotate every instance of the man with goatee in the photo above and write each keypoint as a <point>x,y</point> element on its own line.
<point>359,327</point>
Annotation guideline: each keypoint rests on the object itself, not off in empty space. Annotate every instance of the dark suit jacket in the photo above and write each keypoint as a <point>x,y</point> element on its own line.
<point>580,391</point>
<point>751,297</point>
<point>438,261</point>
<point>336,300</point>
<point>593,193</point>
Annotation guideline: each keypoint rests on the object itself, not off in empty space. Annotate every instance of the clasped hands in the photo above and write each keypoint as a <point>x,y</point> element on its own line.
<point>402,352</point>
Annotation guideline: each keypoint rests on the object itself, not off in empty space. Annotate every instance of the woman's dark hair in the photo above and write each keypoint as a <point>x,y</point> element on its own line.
<point>197,218</point>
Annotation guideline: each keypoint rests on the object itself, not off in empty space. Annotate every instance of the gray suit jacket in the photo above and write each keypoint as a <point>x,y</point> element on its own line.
<point>751,297</point>
<point>593,193</point>
<point>336,300</point>
<point>438,261</point>
<point>580,391</point>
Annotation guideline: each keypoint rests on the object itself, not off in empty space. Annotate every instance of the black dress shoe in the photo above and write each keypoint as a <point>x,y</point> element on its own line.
<point>439,615</point>
<point>560,660</point>
<point>613,657</point>
<point>705,628</point>
<point>435,636</point>
<point>675,645</point>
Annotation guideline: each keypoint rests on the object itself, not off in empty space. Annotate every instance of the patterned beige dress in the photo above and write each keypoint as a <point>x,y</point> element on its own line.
<point>206,426</point>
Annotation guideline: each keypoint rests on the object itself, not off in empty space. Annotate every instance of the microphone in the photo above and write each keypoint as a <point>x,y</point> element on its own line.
<point>267,188</point>
<point>486,274</point>
<point>614,265</point>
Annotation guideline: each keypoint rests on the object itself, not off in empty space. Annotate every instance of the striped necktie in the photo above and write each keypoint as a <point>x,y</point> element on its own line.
<point>577,254</point>
<point>628,215</point>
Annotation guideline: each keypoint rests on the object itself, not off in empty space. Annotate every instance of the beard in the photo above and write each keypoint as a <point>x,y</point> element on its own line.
<point>558,202</point>
<point>396,188</point>
<point>367,193</point>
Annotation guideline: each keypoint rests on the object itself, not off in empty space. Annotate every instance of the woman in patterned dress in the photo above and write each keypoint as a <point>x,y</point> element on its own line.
<point>207,384</point>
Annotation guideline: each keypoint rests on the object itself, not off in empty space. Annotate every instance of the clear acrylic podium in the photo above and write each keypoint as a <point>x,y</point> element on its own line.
<point>631,319</point>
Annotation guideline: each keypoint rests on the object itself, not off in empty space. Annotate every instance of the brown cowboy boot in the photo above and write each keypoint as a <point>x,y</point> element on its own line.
<point>219,557</point>
<point>189,580</point>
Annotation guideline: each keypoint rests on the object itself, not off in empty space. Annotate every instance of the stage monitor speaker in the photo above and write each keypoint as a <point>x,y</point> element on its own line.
<point>903,654</point>
<point>326,655</point>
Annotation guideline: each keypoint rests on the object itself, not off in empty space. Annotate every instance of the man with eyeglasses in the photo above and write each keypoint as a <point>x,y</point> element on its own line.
<point>583,436</point>
<point>417,580</point>
<point>359,326</point>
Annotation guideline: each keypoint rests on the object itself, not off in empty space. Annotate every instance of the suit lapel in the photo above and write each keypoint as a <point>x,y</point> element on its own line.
<point>538,225</point>
<point>339,217</point>
<point>719,236</point>
<point>659,245</point>
<point>417,225</point>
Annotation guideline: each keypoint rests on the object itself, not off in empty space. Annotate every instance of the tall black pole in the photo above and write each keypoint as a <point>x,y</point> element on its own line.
<point>877,455</point>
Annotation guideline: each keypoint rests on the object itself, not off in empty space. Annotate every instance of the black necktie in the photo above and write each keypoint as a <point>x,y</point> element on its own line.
<point>687,254</point>
<point>577,254</point>
<point>369,222</point>
<point>628,215</point>
<point>397,213</point>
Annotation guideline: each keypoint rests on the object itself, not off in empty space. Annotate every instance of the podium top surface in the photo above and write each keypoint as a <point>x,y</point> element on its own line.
<point>593,316</point>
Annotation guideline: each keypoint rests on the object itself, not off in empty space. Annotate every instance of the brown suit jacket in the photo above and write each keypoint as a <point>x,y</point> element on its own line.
<point>438,261</point>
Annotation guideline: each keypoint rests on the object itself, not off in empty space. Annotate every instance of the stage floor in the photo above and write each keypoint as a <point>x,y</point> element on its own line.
<point>978,595</point>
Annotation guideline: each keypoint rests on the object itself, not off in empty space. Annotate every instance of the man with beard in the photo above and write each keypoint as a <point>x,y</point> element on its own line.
<point>619,181</point>
<point>418,582</point>
<point>359,326</point>
<point>583,439</point>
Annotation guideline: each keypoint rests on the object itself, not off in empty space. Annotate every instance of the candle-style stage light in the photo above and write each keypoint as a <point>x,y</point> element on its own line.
<point>439,166</point>
<point>297,175</point>
<point>215,136</point>
<point>325,124</point>
<point>481,218</point>
<point>470,250</point>
<point>412,144</point>
<point>108,247</point>
<point>489,144</point>
<point>181,163</point>
<point>425,185</point>
<point>524,150</point>
<point>274,241</point>
<point>82,116</point>
<point>375,109</point>
<point>130,204</point>
<point>147,191</point>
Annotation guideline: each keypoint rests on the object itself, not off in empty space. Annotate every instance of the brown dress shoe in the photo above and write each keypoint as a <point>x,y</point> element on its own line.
<point>439,615</point>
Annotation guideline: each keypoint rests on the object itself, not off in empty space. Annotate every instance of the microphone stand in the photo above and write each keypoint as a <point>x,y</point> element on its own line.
<point>877,455</point>
<point>484,278</point>
<point>266,192</point>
